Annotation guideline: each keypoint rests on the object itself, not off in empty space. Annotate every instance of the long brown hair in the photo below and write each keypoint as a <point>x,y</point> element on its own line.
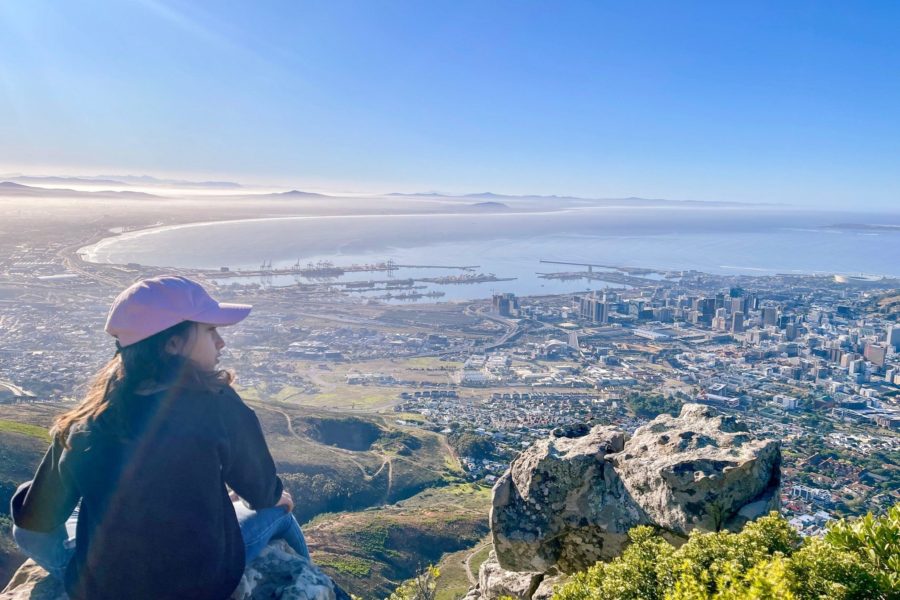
<point>144,364</point>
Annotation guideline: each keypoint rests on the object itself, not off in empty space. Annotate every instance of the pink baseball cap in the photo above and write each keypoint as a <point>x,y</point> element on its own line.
<point>153,305</point>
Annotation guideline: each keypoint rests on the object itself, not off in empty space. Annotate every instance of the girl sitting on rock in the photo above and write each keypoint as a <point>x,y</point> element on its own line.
<point>146,458</point>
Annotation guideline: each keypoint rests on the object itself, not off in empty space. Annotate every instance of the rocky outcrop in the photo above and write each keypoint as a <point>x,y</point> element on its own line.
<point>493,577</point>
<point>495,582</point>
<point>562,502</point>
<point>700,470</point>
<point>279,573</point>
<point>569,500</point>
<point>276,573</point>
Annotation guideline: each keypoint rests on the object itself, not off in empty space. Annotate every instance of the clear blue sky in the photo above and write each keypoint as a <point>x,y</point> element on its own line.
<point>770,101</point>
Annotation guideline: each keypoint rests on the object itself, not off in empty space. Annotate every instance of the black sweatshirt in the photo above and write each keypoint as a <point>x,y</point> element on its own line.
<point>155,519</point>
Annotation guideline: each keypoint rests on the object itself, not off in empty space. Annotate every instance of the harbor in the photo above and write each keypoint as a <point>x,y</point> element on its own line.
<point>326,269</point>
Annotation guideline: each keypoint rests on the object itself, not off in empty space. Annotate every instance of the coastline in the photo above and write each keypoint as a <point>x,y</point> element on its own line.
<point>88,252</point>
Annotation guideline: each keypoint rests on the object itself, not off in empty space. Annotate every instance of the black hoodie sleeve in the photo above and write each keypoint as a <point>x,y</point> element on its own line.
<point>247,465</point>
<point>45,502</point>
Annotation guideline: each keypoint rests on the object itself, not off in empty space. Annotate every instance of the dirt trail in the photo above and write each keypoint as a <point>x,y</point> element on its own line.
<point>473,578</point>
<point>390,479</point>
<point>337,451</point>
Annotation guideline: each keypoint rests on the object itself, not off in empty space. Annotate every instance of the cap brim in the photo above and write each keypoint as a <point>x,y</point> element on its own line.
<point>223,314</point>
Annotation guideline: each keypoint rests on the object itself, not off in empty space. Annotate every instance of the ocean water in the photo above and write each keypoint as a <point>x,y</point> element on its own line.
<point>511,245</point>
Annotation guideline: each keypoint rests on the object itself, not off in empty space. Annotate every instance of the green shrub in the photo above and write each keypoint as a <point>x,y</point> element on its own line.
<point>630,576</point>
<point>876,541</point>
<point>347,565</point>
<point>420,587</point>
<point>856,560</point>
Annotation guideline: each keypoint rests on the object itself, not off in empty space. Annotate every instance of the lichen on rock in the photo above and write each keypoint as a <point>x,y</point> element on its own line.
<point>567,502</point>
<point>700,470</point>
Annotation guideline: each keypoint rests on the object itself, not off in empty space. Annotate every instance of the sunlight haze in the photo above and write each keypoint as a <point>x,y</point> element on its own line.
<point>753,102</point>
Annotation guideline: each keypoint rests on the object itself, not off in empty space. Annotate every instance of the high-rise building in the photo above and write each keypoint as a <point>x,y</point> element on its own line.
<point>751,302</point>
<point>737,322</point>
<point>592,308</point>
<point>769,316</point>
<point>875,354</point>
<point>704,310</point>
<point>848,357</point>
<point>505,304</point>
<point>790,332</point>
<point>664,314</point>
<point>893,336</point>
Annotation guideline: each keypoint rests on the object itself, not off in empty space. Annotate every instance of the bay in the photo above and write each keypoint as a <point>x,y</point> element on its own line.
<point>722,240</point>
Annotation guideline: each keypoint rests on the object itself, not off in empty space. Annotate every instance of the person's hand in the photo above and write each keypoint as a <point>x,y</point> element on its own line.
<point>286,501</point>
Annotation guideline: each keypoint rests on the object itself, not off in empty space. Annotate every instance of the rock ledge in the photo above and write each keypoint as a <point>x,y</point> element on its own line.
<point>276,573</point>
<point>569,500</point>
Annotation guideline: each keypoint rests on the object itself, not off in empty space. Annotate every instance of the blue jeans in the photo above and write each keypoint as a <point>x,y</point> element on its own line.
<point>54,549</point>
<point>258,527</point>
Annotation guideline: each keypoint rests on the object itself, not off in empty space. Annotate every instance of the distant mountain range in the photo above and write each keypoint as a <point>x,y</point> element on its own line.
<point>289,195</point>
<point>23,185</point>
<point>12,189</point>
<point>118,180</point>
<point>630,201</point>
<point>489,206</point>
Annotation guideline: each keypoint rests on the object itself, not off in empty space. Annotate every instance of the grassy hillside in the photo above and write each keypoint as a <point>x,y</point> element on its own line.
<point>23,441</point>
<point>371,551</point>
<point>459,570</point>
<point>332,461</point>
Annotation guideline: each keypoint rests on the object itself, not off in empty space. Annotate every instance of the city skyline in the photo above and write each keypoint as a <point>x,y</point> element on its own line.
<point>764,103</point>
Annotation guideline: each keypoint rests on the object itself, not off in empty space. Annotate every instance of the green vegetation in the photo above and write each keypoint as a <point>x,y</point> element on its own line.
<point>651,406</point>
<point>372,539</point>
<point>21,446</point>
<point>420,587</point>
<point>393,540</point>
<point>34,431</point>
<point>332,462</point>
<point>856,560</point>
<point>480,557</point>
<point>454,582</point>
<point>346,565</point>
<point>349,433</point>
<point>472,445</point>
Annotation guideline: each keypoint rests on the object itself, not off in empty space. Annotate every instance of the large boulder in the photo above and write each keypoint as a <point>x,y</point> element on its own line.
<point>495,582</point>
<point>562,503</point>
<point>277,573</point>
<point>700,470</point>
<point>567,502</point>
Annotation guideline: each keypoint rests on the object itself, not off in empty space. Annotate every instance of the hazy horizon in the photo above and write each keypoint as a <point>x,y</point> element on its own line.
<point>730,103</point>
<point>172,187</point>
